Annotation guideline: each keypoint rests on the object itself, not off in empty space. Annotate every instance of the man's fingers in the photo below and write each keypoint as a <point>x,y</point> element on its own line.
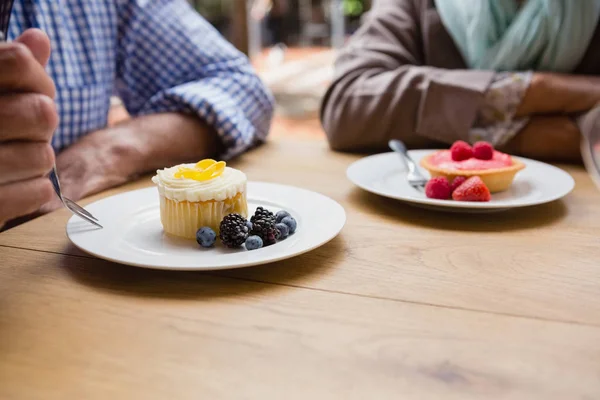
<point>23,197</point>
<point>27,116</point>
<point>24,160</point>
<point>28,119</point>
<point>21,72</point>
<point>38,42</point>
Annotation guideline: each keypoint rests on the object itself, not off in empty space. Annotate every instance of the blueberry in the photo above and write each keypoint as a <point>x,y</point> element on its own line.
<point>281,215</point>
<point>254,242</point>
<point>291,224</point>
<point>283,229</point>
<point>206,237</point>
<point>249,225</point>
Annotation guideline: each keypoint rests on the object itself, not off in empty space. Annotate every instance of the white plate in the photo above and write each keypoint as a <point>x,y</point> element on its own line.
<point>133,233</point>
<point>385,175</point>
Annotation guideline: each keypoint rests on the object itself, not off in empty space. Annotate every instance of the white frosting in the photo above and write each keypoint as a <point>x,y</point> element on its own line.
<point>230,183</point>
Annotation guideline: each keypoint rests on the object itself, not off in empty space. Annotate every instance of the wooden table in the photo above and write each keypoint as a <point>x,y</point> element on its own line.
<point>404,304</point>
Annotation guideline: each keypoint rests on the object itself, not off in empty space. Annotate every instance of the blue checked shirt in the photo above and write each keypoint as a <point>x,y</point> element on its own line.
<point>156,55</point>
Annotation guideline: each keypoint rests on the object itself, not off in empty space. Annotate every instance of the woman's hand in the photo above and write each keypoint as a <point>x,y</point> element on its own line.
<point>550,138</point>
<point>551,93</point>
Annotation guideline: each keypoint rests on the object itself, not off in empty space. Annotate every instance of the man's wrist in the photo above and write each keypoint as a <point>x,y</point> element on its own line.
<point>122,152</point>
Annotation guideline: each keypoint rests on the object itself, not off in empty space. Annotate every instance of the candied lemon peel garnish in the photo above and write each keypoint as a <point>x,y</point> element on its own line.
<point>204,170</point>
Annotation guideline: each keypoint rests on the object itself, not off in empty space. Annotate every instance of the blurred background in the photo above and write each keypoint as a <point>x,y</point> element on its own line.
<point>291,43</point>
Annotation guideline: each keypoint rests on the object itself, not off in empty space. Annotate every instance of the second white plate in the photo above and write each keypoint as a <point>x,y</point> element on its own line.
<point>385,175</point>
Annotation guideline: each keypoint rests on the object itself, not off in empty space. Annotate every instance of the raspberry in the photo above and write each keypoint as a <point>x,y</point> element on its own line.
<point>461,151</point>
<point>456,182</point>
<point>483,151</point>
<point>472,190</point>
<point>438,188</point>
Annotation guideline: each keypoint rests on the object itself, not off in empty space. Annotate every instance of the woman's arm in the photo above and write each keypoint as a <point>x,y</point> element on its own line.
<point>552,101</point>
<point>382,90</point>
<point>551,93</point>
<point>547,138</point>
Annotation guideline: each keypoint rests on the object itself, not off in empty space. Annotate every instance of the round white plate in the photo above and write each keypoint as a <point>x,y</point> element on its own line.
<point>385,175</point>
<point>133,234</point>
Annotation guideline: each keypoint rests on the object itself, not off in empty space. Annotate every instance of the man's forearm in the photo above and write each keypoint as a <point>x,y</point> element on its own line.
<point>146,143</point>
<point>551,93</point>
<point>115,155</point>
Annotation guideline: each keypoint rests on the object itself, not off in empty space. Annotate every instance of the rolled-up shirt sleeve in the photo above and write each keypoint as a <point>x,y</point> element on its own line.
<point>383,90</point>
<point>172,60</point>
<point>496,122</point>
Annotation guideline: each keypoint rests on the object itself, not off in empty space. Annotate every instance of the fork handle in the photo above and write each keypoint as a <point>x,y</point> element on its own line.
<point>400,148</point>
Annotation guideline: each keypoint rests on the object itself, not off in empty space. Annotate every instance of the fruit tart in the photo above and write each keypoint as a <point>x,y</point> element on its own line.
<point>496,169</point>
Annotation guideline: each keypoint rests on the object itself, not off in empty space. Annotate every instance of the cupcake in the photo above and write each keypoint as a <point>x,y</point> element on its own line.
<point>198,195</point>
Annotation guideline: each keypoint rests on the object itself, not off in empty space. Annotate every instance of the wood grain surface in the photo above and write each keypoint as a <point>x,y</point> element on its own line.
<point>405,303</point>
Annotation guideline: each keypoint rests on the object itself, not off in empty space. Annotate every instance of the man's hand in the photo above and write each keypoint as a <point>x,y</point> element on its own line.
<point>89,166</point>
<point>28,119</point>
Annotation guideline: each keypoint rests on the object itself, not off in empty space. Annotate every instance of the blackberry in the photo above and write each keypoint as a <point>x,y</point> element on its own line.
<point>271,237</point>
<point>262,213</point>
<point>263,225</point>
<point>233,230</point>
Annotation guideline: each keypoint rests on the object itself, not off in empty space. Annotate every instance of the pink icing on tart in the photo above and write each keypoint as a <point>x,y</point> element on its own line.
<point>443,159</point>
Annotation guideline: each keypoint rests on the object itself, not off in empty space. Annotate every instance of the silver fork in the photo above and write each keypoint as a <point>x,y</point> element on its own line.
<point>5,10</point>
<point>413,176</point>
<point>70,204</point>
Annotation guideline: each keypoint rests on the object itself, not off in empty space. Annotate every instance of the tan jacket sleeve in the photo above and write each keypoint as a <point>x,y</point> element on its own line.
<point>383,90</point>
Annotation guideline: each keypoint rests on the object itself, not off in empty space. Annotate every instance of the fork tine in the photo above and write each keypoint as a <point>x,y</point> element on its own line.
<point>70,204</point>
<point>418,186</point>
<point>81,215</point>
<point>79,208</point>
